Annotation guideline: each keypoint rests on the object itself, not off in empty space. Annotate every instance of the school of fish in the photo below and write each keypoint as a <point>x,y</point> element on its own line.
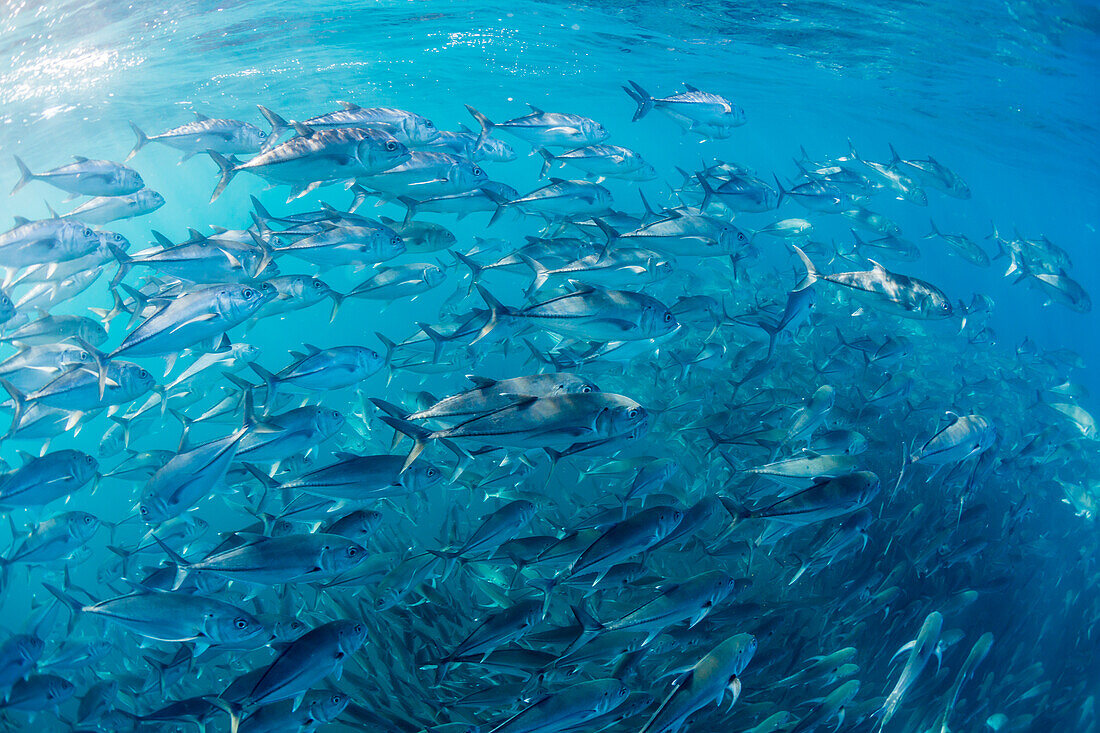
<point>641,457</point>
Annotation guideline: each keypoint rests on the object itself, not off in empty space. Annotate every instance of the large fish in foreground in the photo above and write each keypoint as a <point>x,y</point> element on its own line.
<point>559,421</point>
<point>706,683</point>
<point>317,157</point>
<point>883,290</point>
<point>703,113</point>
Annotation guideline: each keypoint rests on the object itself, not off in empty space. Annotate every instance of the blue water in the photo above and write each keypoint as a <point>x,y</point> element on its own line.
<point>1004,93</point>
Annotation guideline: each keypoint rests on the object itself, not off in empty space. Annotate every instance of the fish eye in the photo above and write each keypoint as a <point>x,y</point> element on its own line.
<point>391,146</point>
<point>668,317</point>
<point>478,171</point>
<point>359,628</point>
<point>429,123</point>
<point>335,699</point>
<point>143,374</point>
<point>317,284</point>
<point>144,511</point>
<point>248,293</point>
<point>353,551</point>
<point>586,389</point>
<point>241,623</point>
<point>84,356</point>
<point>87,232</point>
<point>118,237</point>
<point>431,472</point>
<point>633,413</point>
<point>262,133</point>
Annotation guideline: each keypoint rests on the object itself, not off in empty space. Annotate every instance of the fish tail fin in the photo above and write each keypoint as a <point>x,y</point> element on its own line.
<point>546,587</point>
<point>803,566</point>
<point>715,440</point>
<point>227,168</point>
<point>181,564</point>
<point>262,214</point>
<point>139,143</point>
<point>772,329</point>
<point>935,232</point>
<point>75,607</point>
<point>25,175</point>
<point>852,151</point>
<point>585,620</point>
<point>125,263</point>
<point>812,274</point>
<point>608,231</point>
<point>500,203</point>
<point>270,380</point>
<point>683,361</point>
<point>337,301</point>
<point>266,481</point>
<point>474,267</point>
<point>389,345</point>
<point>782,191</point>
<point>642,98</point>
<point>548,160</point>
<point>410,207</point>
<point>650,214</point>
<point>541,274</point>
<point>708,192</point>
<point>389,408</point>
<point>233,710</point>
<point>278,124</point>
<point>496,310</point>
<point>905,462</point>
<point>485,122</point>
<point>894,157</point>
<point>360,197</point>
<point>19,402</point>
<point>438,340</point>
<point>419,435</point>
<point>734,508</point>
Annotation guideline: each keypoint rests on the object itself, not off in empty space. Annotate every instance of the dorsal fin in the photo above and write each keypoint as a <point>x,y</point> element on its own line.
<point>194,235</point>
<point>162,240</point>
<point>877,266</point>
<point>535,109</point>
<point>80,159</point>
<point>200,117</point>
<point>311,349</point>
<point>349,106</point>
<point>481,382</point>
<point>690,88</point>
<point>21,220</point>
<point>556,181</point>
<point>304,130</point>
